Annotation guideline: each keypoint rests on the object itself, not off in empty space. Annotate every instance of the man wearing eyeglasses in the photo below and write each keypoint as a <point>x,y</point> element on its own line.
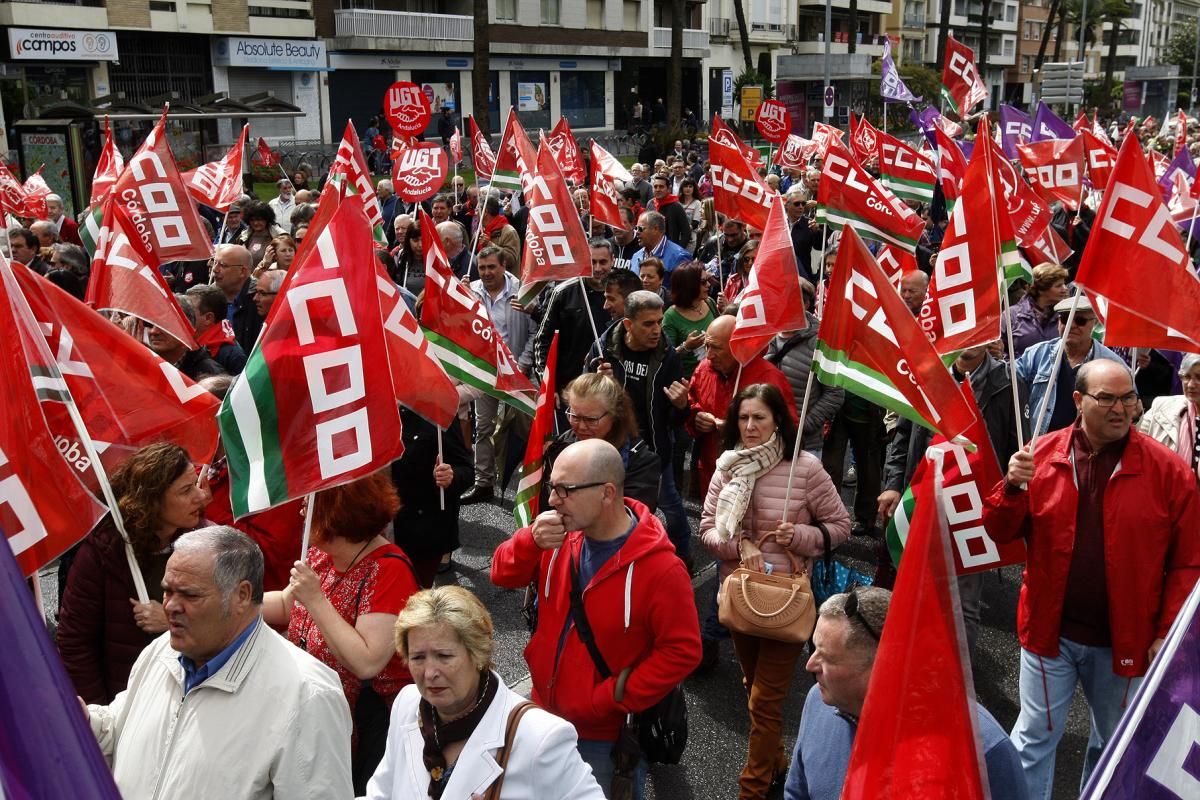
<point>1109,520</point>
<point>806,233</point>
<point>230,271</point>
<point>609,557</point>
<point>844,645</point>
<point>1035,364</point>
<point>652,229</point>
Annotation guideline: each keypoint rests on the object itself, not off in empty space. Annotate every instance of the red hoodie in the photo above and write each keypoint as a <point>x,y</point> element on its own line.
<point>642,613</point>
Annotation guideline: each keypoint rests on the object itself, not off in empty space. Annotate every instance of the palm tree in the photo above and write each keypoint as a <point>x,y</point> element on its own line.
<point>853,27</point>
<point>943,33</point>
<point>480,79</point>
<point>743,33</point>
<point>1114,12</point>
<point>675,68</point>
<point>1052,18</point>
<point>985,20</point>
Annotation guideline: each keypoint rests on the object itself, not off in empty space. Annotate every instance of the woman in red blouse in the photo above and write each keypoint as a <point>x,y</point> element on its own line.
<point>341,605</point>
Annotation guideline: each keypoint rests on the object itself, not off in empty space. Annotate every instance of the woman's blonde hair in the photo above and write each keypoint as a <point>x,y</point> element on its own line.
<point>594,386</point>
<point>456,608</point>
<point>1045,275</point>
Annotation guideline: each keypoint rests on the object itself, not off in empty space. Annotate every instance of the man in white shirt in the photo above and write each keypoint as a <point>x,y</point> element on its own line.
<point>221,705</point>
<point>283,204</point>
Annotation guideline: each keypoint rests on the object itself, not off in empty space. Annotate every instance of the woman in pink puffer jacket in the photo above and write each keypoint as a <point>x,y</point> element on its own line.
<point>745,520</point>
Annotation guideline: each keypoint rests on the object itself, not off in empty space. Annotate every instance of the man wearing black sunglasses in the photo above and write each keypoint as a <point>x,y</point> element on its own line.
<point>844,644</point>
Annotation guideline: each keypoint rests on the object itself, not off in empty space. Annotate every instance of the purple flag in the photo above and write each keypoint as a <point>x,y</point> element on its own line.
<point>1151,755</point>
<point>891,87</point>
<point>1015,126</point>
<point>923,119</point>
<point>46,745</point>
<point>1181,163</point>
<point>1048,125</point>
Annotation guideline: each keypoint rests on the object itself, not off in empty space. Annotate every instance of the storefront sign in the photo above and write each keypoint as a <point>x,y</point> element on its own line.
<point>39,44</point>
<point>237,51</point>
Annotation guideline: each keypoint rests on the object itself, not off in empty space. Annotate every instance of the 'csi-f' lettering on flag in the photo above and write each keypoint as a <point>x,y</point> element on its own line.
<point>1135,257</point>
<point>870,344</point>
<point>315,406</point>
<point>772,302</point>
<point>962,87</point>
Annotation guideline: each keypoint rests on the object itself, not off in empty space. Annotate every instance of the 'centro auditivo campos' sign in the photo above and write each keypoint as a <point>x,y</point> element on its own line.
<point>41,44</point>
<point>238,51</point>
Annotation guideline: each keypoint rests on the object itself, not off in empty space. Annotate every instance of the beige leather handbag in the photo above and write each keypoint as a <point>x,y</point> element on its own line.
<point>777,607</point>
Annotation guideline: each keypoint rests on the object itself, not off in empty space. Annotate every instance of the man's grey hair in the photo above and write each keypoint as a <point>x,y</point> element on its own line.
<point>873,605</point>
<point>653,219</point>
<point>499,252</point>
<point>274,279</point>
<point>385,183</point>
<point>812,172</point>
<point>1189,363</point>
<point>44,226</point>
<point>236,559</point>
<point>452,229</point>
<point>189,310</point>
<point>1085,371</point>
<point>605,244</point>
<point>406,219</point>
<point>54,198</point>
<point>73,257</point>
<point>642,300</point>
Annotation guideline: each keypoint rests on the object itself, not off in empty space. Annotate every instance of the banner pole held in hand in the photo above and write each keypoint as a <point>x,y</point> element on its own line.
<point>308,515</point>
<point>1058,357</point>
<point>441,491</point>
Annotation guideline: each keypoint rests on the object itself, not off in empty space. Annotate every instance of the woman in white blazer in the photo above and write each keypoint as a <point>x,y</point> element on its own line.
<point>447,727</point>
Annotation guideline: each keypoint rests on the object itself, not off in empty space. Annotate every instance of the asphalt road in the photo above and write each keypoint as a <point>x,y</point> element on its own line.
<point>718,725</point>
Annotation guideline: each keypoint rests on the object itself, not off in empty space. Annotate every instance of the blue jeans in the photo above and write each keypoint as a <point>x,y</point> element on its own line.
<point>679,531</point>
<point>711,627</point>
<point>1046,688</point>
<point>598,755</point>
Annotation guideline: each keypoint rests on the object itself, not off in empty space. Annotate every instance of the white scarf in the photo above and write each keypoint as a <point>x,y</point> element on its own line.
<point>744,468</point>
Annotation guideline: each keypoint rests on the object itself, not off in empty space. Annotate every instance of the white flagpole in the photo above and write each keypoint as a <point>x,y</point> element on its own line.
<point>308,515</point>
<point>820,309</point>
<point>487,192</point>
<point>1058,356</point>
<point>738,380</point>
<point>441,491</point>
<point>787,495</point>
<point>1188,247</point>
<point>587,308</point>
<point>36,585</point>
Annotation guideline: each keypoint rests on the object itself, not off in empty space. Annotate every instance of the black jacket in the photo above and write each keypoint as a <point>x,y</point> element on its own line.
<point>642,469</point>
<point>804,241</point>
<point>246,321</point>
<point>665,369</point>
<point>423,529</point>
<point>992,386</point>
<point>565,313</point>
<point>794,359</point>
<point>679,227</point>
<point>197,364</point>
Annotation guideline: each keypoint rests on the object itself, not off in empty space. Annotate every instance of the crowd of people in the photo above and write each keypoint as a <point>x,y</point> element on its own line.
<point>351,672</point>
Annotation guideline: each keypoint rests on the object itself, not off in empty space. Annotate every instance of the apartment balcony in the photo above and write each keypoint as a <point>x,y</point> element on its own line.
<point>363,23</point>
<point>871,45</point>
<point>79,14</point>
<point>719,27</point>
<point>914,21</point>
<point>693,39</point>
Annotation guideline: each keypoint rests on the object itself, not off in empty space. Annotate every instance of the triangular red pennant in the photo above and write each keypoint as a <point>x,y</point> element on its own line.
<point>218,184</point>
<point>566,151</point>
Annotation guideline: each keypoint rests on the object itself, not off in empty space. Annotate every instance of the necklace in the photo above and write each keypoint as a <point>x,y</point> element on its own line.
<point>308,625</point>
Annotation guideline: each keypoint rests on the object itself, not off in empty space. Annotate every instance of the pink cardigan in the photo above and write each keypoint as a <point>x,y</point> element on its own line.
<point>813,497</point>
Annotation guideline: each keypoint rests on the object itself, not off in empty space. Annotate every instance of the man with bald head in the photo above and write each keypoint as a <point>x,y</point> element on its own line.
<point>1109,517</point>
<point>637,611</point>
<point>913,288</point>
<point>230,271</point>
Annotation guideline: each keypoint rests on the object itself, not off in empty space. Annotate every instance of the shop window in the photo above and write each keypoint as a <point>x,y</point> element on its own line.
<point>582,98</point>
<point>531,97</point>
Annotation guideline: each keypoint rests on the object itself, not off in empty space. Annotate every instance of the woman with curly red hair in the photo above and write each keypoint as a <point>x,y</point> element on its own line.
<point>341,606</point>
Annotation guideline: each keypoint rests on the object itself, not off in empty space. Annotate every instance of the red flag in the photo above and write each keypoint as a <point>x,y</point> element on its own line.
<point>895,262</point>
<point>482,157</point>
<point>406,108</point>
<point>419,171</point>
<point>128,396</point>
<point>1055,169</point>
<point>772,302</point>
<point>918,735</point>
<point>864,140</point>
<point>12,193</point>
<point>156,207</point>
<point>1159,163</point>
<point>1181,125</point>
<point>566,151</point>
<point>605,196</point>
<point>962,87</point>
<point>121,280</point>
<point>723,134</point>
<point>35,190</point>
<point>870,344</point>
<point>952,166</point>
<point>773,121</point>
<point>44,506</point>
<point>1181,199</point>
<point>268,157</point>
<point>824,137</point>
<point>795,152</point>
<point>738,192</point>
<point>1081,122</point>
<point>908,174</point>
<point>532,473</point>
<point>1135,257</point>
<point>848,195</point>
<point>516,160</point>
<point>1123,329</point>
<point>456,145</point>
<point>418,379</point>
<point>1101,156</point>
<point>350,164</point>
<point>962,308</point>
<point>219,183</point>
<point>108,167</point>
<point>556,247</point>
<point>1028,213</point>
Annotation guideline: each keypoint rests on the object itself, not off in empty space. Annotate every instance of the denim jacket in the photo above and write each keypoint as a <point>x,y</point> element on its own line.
<point>1033,367</point>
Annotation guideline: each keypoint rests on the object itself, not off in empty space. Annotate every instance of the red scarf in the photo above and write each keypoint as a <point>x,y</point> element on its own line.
<point>216,336</point>
<point>659,205</point>
<point>491,229</point>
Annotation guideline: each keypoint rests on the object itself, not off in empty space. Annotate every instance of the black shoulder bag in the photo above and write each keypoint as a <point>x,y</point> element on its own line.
<point>662,728</point>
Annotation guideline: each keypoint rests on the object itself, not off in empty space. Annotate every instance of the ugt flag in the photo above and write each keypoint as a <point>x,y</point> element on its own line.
<point>1151,755</point>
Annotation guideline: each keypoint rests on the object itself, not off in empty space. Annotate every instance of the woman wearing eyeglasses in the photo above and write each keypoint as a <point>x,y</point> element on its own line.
<point>741,275</point>
<point>598,408</point>
<point>1175,420</point>
<point>746,520</point>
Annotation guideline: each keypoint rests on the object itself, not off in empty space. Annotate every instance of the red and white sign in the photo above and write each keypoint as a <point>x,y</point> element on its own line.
<point>738,192</point>
<point>406,108</point>
<point>218,183</point>
<point>482,157</point>
<point>1055,168</point>
<point>556,247</point>
<point>795,152</point>
<point>773,121</point>
<point>419,172</point>
<point>772,302</point>
<point>1101,158</point>
<point>566,151</point>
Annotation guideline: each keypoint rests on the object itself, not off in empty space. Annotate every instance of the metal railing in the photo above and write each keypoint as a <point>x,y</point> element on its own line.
<point>403,25</point>
<point>718,26</point>
<point>660,39</point>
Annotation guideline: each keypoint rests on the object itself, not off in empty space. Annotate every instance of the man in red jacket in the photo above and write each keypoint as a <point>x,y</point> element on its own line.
<point>636,598</point>
<point>1109,518</point>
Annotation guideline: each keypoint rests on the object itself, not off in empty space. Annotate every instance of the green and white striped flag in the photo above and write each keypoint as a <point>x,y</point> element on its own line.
<point>92,229</point>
